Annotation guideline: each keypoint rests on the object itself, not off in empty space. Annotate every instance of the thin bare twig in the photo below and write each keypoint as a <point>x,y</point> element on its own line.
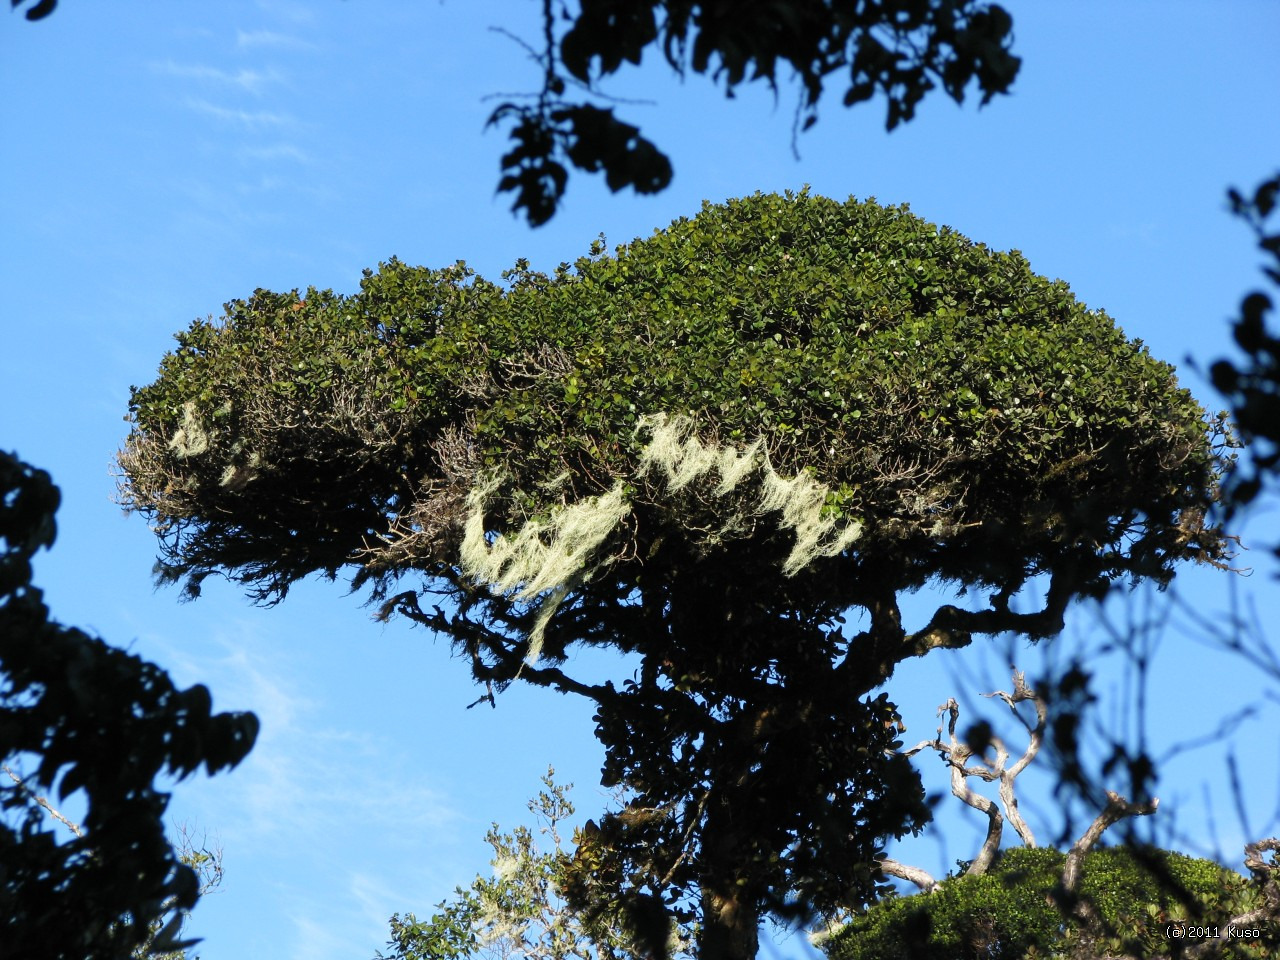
<point>74,828</point>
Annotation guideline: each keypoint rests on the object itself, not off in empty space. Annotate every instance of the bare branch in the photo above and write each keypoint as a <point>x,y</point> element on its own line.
<point>74,828</point>
<point>1021,693</point>
<point>1117,809</point>
<point>1267,876</point>
<point>920,878</point>
<point>958,756</point>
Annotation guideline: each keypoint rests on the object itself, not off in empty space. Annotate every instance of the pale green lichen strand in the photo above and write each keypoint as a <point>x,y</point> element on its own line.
<point>675,449</point>
<point>800,501</point>
<point>543,554</point>
<point>191,439</point>
<point>545,610</point>
<point>548,556</point>
<point>676,452</point>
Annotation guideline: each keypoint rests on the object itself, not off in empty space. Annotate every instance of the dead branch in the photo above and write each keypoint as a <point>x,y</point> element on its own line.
<point>920,878</point>
<point>958,755</point>
<point>544,361</point>
<point>1117,809</point>
<point>74,828</point>
<point>1021,693</point>
<point>1267,877</point>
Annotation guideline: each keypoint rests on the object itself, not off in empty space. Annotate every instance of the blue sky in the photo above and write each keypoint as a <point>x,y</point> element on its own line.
<point>157,160</point>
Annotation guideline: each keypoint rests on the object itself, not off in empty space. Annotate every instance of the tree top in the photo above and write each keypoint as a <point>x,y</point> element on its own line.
<point>805,378</point>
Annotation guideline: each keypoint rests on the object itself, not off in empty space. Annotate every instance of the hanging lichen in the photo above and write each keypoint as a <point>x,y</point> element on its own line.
<point>675,451</point>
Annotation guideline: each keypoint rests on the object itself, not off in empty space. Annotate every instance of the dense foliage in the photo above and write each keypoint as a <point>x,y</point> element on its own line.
<point>965,413</point>
<point>102,724</point>
<point>1013,910</point>
<point>704,450</point>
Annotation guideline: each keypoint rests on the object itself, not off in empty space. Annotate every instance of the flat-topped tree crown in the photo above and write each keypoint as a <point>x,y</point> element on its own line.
<point>704,449</point>
<point>896,393</point>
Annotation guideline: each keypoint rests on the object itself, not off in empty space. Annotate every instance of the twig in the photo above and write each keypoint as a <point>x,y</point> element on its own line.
<point>74,828</point>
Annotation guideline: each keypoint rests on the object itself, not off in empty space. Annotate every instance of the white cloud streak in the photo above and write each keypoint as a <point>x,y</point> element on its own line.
<point>276,151</point>
<point>348,829</point>
<point>316,937</point>
<point>253,119</point>
<point>303,775</point>
<point>251,81</point>
<point>347,926</point>
<point>247,39</point>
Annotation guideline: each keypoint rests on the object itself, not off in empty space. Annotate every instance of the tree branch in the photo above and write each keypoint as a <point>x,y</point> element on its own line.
<point>921,878</point>
<point>1021,693</point>
<point>957,754</point>
<point>1267,876</point>
<point>1117,809</point>
<point>476,639</point>
<point>74,828</point>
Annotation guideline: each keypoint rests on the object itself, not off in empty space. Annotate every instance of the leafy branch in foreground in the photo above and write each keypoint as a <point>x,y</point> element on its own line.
<point>1253,385</point>
<point>205,860</point>
<point>95,721</point>
<point>900,50</point>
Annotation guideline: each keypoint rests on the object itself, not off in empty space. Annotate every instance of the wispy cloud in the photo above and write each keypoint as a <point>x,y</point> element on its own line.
<point>290,11</point>
<point>310,769</point>
<point>375,898</point>
<point>347,827</point>
<point>317,936</point>
<point>349,922</point>
<point>276,151</point>
<point>251,81</point>
<point>1144,233</point>
<point>254,119</point>
<point>246,39</point>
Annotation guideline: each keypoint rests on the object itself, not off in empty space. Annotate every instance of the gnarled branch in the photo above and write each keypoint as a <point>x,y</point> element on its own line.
<point>1117,809</point>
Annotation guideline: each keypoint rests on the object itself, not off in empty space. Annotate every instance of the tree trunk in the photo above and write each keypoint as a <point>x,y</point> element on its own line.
<point>730,926</point>
<point>729,889</point>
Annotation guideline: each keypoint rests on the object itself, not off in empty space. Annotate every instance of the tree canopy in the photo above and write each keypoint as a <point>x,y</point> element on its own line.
<point>1136,893</point>
<point>706,449</point>
<point>100,722</point>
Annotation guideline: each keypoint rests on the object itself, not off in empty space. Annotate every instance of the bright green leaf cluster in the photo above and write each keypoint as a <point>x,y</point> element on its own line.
<point>1010,911</point>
